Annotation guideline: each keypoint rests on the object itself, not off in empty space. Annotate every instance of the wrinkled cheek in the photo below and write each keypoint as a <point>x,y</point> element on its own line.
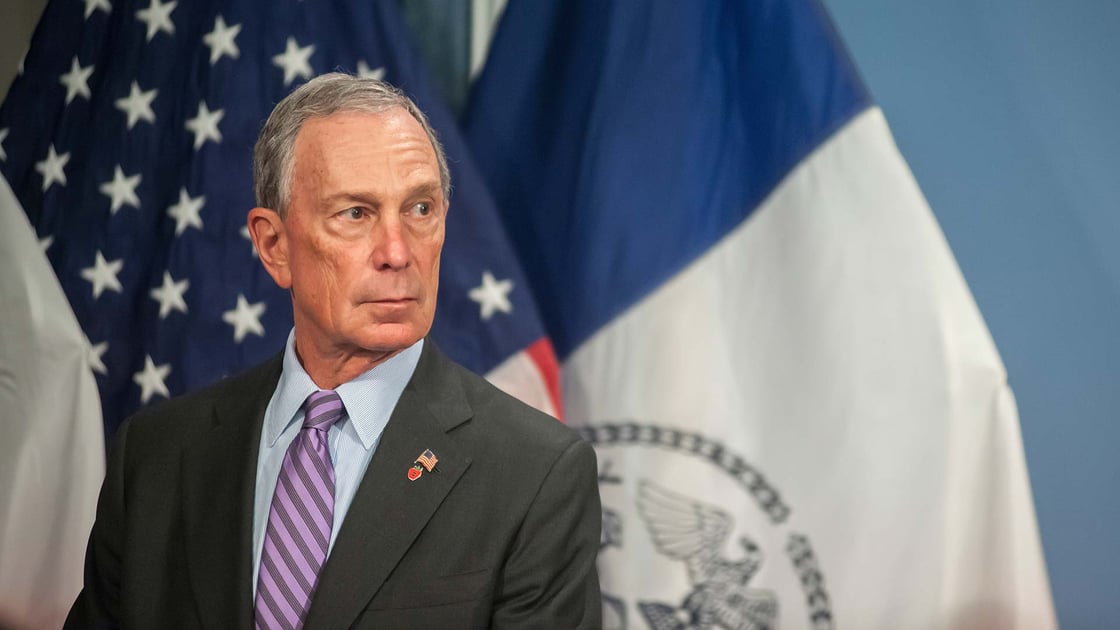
<point>317,283</point>
<point>433,292</point>
<point>435,278</point>
<point>330,292</point>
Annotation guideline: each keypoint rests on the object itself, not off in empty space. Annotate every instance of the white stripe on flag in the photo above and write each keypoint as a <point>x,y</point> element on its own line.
<point>826,350</point>
<point>52,453</point>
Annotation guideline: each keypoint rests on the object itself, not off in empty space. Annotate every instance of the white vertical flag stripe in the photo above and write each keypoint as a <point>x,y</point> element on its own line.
<point>831,342</point>
<point>52,455</point>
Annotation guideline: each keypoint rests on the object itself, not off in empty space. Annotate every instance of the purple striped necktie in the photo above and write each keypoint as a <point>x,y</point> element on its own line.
<point>300,520</point>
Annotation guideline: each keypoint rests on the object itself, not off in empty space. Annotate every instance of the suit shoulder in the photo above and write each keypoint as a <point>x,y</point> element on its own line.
<point>511,423</point>
<point>193,412</point>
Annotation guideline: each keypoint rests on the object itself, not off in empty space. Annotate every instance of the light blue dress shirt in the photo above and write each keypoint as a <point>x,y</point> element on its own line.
<point>369,400</point>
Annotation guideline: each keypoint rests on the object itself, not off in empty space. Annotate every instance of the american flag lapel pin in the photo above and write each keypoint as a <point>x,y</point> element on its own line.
<point>428,460</point>
<point>425,462</point>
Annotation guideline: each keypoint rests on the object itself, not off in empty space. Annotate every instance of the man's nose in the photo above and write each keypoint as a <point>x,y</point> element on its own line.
<point>391,249</point>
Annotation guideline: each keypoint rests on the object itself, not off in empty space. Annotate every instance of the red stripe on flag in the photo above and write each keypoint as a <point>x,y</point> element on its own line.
<point>540,351</point>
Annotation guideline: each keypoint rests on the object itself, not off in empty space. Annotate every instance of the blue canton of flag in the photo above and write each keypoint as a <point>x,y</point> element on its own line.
<point>127,138</point>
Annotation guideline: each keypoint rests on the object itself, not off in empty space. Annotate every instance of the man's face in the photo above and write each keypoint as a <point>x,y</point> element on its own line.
<point>363,233</point>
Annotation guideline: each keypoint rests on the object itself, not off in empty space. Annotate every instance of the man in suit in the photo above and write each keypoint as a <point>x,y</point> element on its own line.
<point>360,479</point>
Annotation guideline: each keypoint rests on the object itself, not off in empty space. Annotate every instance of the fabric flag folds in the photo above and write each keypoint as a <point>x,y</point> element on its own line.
<point>52,454</point>
<point>800,417</point>
<point>129,136</point>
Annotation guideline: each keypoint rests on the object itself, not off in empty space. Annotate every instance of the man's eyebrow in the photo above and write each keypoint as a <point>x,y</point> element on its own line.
<point>362,197</point>
<point>431,189</point>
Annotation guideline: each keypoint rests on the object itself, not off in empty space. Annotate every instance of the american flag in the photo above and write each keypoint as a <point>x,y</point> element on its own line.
<point>428,459</point>
<point>127,138</point>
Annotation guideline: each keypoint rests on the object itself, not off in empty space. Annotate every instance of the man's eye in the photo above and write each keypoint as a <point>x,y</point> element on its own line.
<point>421,209</point>
<point>353,213</point>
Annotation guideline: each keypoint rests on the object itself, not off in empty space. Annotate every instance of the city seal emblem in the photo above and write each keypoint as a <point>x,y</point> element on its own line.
<point>688,528</point>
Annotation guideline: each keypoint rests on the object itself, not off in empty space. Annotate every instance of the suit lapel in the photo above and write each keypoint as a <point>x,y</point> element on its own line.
<point>389,510</point>
<point>219,478</point>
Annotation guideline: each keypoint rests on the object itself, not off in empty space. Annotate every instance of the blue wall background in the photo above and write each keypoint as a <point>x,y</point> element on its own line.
<point>1009,115</point>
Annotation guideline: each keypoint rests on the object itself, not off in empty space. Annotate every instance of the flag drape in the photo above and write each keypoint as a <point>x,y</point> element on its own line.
<point>800,417</point>
<point>52,454</point>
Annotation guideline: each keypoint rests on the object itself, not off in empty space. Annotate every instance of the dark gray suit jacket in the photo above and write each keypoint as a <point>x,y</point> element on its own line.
<point>503,534</point>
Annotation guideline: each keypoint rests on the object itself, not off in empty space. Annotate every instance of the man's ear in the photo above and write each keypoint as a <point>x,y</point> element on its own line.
<point>270,237</point>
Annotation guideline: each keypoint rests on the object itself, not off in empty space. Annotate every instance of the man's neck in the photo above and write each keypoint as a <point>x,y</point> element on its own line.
<point>329,369</point>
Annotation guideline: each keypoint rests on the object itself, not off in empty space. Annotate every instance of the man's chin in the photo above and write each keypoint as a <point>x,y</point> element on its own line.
<point>389,337</point>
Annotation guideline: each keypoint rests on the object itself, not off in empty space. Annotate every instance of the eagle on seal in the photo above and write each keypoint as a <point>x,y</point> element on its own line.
<point>695,533</point>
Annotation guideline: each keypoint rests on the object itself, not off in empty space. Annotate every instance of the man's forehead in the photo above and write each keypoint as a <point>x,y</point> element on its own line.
<point>393,130</point>
<point>352,155</point>
<point>390,120</point>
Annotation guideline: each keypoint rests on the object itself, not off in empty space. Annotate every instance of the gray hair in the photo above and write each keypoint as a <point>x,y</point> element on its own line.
<point>322,96</point>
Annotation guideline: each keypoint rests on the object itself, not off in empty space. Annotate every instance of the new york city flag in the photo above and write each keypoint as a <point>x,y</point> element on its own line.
<point>800,417</point>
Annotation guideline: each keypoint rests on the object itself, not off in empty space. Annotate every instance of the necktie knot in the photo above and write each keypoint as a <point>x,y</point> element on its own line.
<point>322,410</point>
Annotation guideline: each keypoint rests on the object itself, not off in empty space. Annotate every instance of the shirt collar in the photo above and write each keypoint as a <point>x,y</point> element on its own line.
<point>369,398</point>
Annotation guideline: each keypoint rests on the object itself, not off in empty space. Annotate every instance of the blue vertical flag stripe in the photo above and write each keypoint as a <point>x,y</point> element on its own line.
<point>595,119</point>
<point>127,138</point>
